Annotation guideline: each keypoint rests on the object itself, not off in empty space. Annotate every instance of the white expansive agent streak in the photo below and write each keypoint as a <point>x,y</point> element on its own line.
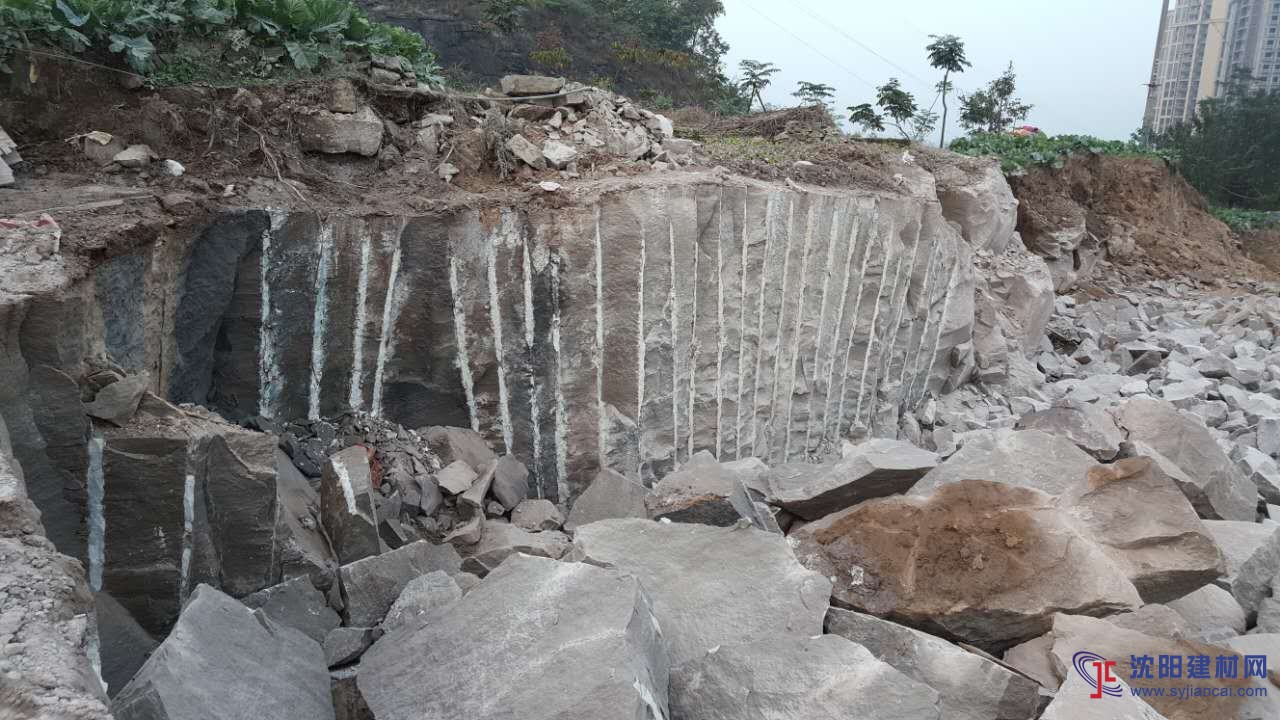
<point>779,351</point>
<point>534,411</point>
<point>188,533</point>
<point>97,520</point>
<point>602,419</point>
<point>886,361</point>
<point>875,320</point>
<point>770,209</point>
<point>693,345</point>
<point>827,270</point>
<point>390,311</point>
<point>915,359</point>
<point>460,331</point>
<point>844,303</point>
<point>942,320</point>
<point>799,323</point>
<point>506,229</point>
<point>885,353</point>
<point>742,334</point>
<point>674,323</point>
<point>857,313</point>
<point>355,399</point>
<point>640,335</point>
<point>268,371</point>
<point>719,317</point>
<point>320,323</point>
<point>562,429</point>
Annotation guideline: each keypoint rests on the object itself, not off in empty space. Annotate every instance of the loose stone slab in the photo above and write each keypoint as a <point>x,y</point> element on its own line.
<point>871,469</point>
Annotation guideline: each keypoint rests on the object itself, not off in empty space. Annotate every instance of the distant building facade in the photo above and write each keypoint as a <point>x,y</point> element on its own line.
<point>1200,44</point>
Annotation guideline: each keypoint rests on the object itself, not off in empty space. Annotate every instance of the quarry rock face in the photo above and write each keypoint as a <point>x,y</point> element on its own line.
<point>969,562</point>
<point>610,652</point>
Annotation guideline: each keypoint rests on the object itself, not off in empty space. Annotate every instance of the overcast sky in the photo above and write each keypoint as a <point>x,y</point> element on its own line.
<point>1082,63</point>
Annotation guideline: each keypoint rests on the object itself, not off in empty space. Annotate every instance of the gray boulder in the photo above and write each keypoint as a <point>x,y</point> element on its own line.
<point>123,644</point>
<point>421,597</point>
<point>454,443</point>
<point>510,482</point>
<point>537,515</point>
<point>1024,458</point>
<point>500,540</point>
<point>345,645</point>
<point>748,583</point>
<point>969,686</point>
<point>1072,702</point>
<point>871,469</point>
<point>1090,427</point>
<point>372,585</point>
<point>117,402</point>
<point>526,85</point>
<point>1211,613</point>
<point>297,604</point>
<point>331,133</point>
<point>223,660</point>
<point>1221,490</point>
<point>1252,554</point>
<point>456,477</point>
<point>537,640</point>
<point>348,505</point>
<point>700,491</point>
<point>610,495</point>
<point>825,677</point>
<point>1146,525</point>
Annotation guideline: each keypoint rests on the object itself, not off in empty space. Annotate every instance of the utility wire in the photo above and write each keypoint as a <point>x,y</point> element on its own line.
<point>800,40</point>
<point>861,44</point>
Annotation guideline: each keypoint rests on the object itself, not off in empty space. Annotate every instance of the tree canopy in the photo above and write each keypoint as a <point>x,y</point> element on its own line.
<point>994,109</point>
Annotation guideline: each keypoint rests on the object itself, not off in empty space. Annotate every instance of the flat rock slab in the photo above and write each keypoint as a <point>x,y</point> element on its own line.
<point>1143,521</point>
<point>372,585</point>
<point>296,603</point>
<point>825,677</point>
<point>223,660</point>
<point>871,469</point>
<point>1023,458</point>
<point>969,686</point>
<point>537,640</point>
<point>711,586</point>
<point>982,562</point>
<point>1090,427</point>
<point>1220,490</point>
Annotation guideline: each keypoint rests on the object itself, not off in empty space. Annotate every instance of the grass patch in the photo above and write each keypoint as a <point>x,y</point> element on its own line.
<point>1017,154</point>
<point>1242,221</point>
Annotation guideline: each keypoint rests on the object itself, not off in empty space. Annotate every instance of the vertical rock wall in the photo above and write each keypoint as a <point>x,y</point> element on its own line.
<point>630,327</point>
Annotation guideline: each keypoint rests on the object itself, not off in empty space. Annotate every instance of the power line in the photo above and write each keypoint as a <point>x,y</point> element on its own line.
<point>800,40</point>
<point>862,45</point>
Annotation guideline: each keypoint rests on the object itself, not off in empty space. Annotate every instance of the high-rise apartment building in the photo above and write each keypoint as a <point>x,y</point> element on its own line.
<point>1200,44</point>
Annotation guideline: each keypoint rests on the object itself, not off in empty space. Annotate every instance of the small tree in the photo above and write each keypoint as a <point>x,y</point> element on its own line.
<point>811,93</point>
<point>994,108</point>
<point>946,53</point>
<point>756,76</point>
<point>901,111</point>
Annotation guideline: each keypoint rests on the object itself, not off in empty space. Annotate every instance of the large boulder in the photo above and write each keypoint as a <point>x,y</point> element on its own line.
<point>1221,491</point>
<point>371,586</point>
<point>296,603</point>
<point>711,586</point>
<point>1087,425</point>
<point>871,469</point>
<point>983,562</point>
<point>1144,522</point>
<point>454,443</point>
<point>1252,553</point>
<point>332,133</point>
<point>538,639</point>
<point>500,540</point>
<point>1211,613</point>
<point>825,677</point>
<point>1073,702</point>
<point>970,687</point>
<point>1024,458</point>
<point>123,644</point>
<point>348,505</point>
<point>703,491</point>
<point>223,660</point>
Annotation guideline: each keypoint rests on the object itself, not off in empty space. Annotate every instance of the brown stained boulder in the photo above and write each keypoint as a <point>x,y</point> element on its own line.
<point>1146,525</point>
<point>871,469</point>
<point>977,561</point>
<point>1219,490</point>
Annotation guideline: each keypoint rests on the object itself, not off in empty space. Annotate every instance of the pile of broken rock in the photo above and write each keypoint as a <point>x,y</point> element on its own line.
<point>955,580</point>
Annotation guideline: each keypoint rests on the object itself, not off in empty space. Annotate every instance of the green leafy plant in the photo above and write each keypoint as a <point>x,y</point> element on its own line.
<point>994,108</point>
<point>756,76</point>
<point>1243,221</point>
<point>1018,153</point>
<point>812,93</point>
<point>899,109</point>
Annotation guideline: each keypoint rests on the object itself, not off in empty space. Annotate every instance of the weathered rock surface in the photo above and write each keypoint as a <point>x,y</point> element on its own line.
<point>969,686</point>
<point>370,586</point>
<point>1221,491</point>
<point>1212,613</point>
<point>871,469</point>
<point>811,677</point>
<point>359,133</point>
<point>982,562</point>
<point>610,657</point>
<point>1022,458</point>
<point>1148,528</point>
<point>224,660</point>
<point>750,585</point>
